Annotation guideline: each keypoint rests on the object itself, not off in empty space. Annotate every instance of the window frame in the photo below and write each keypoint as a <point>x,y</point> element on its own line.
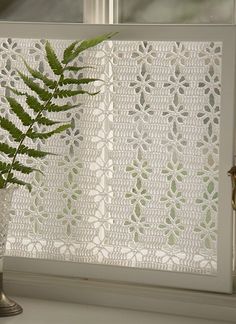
<point>223,281</point>
<point>101,11</point>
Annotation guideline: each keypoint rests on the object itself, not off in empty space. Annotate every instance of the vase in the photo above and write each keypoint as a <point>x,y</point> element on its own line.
<point>8,307</point>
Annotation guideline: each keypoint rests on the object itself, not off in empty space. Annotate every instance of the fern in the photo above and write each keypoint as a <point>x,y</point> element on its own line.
<point>51,84</point>
<point>23,169</point>
<point>71,93</point>
<point>68,51</point>
<point>57,108</point>
<point>33,112</point>
<point>4,167</point>
<point>16,92</point>
<point>35,135</point>
<point>2,181</point>
<point>8,150</point>
<point>34,104</point>
<point>84,45</point>
<point>77,68</point>
<point>43,94</point>
<point>46,121</point>
<point>14,180</point>
<point>19,111</point>
<point>15,132</point>
<point>53,60</point>
<point>31,152</point>
<point>77,82</point>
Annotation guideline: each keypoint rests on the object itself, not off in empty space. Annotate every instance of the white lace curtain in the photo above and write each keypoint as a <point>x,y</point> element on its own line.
<point>135,182</point>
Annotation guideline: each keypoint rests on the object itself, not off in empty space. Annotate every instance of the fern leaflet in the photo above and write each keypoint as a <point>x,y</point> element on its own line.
<point>78,82</point>
<point>59,129</point>
<point>15,132</point>
<point>68,51</point>
<point>46,121</point>
<point>32,152</point>
<point>33,103</point>
<point>8,150</point>
<point>53,60</point>
<point>44,95</point>
<point>71,93</point>
<point>38,75</point>
<point>19,111</point>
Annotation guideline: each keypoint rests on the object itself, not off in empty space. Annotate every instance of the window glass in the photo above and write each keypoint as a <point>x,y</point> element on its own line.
<point>176,11</point>
<point>42,10</point>
<point>135,181</point>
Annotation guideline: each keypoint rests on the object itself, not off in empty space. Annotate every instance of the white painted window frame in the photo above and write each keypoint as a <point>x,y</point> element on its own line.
<point>101,11</point>
<point>222,282</point>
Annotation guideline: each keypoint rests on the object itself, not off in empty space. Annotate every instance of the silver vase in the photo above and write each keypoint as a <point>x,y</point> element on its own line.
<point>8,307</point>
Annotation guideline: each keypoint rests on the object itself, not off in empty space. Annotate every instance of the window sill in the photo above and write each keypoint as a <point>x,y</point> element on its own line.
<point>204,305</point>
<point>62,313</point>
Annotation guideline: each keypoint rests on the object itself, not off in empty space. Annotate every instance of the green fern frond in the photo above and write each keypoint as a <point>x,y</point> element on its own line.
<point>38,75</point>
<point>43,94</point>
<point>4,167</point>
<point>16,92</point>
<point>72,93</point>
<point>68,51</point>
<point>52,59</point>
<point>57,108</point>
<point>32,152</point>
<point>2,182</point>
<point>33,103</point>
<point>32,134</point>
<point>77,68</point>
<point>78,81</point>
<point>19,111</point>
<point>17,166</point>
<point>19,182</point>
<point>46,121</point>
<point>7,125</point>
<point>7,149</point>
<point>86,44</point>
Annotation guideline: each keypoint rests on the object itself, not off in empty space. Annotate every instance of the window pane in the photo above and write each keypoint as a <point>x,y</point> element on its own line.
<point>135,181</point>
<point>176,11</point>
<point>42,10</point>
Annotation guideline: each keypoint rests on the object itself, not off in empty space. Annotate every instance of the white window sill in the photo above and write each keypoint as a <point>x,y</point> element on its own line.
<point>39,311</point>
<point>211,306</point>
